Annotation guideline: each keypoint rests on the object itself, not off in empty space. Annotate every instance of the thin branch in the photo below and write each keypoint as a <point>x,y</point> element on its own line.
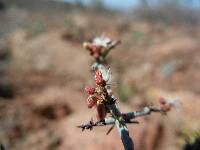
<point>124,134</point>
<point>128,117</point>
<point>144,112</point>
<point>121,126</point>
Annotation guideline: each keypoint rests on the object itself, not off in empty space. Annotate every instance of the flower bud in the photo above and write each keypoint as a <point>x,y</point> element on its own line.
<point>90,90</point>
<point>95,50</point>
<point>91,101</point>
<point>99,78</point>
<point>162,100</point>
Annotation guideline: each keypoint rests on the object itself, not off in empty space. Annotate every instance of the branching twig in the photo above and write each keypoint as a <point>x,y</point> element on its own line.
<point>128,118</point>
<point>104,100</point>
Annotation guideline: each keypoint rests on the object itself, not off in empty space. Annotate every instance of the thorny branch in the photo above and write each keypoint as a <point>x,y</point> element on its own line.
<point>103,99</point>
<point>128,118</point>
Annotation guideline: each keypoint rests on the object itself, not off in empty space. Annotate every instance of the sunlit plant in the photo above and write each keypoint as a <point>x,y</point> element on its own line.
<point>101,98</point>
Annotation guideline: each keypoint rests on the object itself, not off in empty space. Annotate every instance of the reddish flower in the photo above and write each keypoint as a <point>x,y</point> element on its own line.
<point>101,111</point>
<point>96,55</point>
<point>95,50</point>
<point>91,101</point>
<point>89,89</point>
<point>99,78</point>
<point>162,100</point>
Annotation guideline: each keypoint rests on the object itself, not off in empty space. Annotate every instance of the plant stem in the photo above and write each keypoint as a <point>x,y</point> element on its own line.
<point>124,134</point>
<point>121,127</point>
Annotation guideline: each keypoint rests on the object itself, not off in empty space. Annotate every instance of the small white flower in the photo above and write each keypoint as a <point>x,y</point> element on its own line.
<point>102,41</point>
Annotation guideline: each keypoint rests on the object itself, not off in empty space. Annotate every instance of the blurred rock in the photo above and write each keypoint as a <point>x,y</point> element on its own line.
<point>6,89</point>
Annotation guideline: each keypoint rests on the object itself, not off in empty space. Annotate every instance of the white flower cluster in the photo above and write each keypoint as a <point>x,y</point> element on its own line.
<point>102,41</point>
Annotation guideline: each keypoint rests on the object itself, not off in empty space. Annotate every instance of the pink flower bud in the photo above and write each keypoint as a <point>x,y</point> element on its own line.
<point>96,55</point>
<point>91,101</point>
<point>90,90</point>
<point>95,50</point>
<point>99,78</point>
<point>162,100</point>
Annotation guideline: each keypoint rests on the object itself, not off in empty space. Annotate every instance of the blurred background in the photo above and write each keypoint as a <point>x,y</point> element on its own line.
<point>43,71</point>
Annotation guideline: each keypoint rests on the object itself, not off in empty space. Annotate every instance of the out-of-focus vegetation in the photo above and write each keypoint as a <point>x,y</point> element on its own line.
<point>170,11</point>
<point>192,140</point>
